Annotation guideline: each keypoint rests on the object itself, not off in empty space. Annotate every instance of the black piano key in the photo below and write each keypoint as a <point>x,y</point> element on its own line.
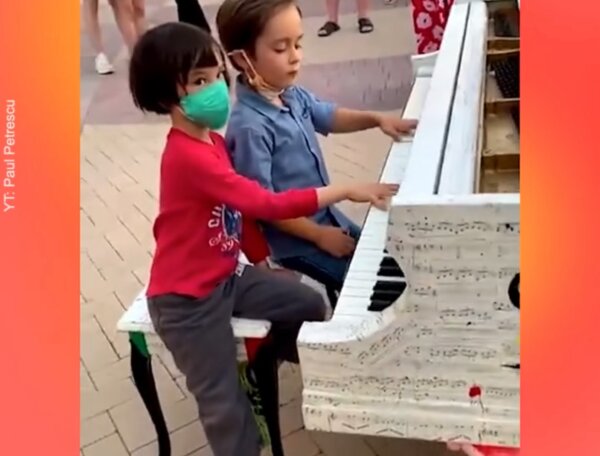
<point>390,271</point>
<point>387,286</point>
<point>389,294</point>
<point>385,294</point>
<point>378,305</point>
<point>389,267</point>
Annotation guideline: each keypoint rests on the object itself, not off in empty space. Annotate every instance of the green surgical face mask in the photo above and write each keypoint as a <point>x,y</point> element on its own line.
<point>208,106</point>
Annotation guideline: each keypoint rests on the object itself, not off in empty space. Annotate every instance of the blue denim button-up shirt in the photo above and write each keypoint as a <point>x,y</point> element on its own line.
<point>278,147</point>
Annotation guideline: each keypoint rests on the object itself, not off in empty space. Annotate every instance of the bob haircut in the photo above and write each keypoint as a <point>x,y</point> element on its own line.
<point>241,22</point>
<point>162,59</point>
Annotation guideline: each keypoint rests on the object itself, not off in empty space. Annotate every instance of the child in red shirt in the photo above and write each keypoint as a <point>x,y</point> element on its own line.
<point>196,284</point>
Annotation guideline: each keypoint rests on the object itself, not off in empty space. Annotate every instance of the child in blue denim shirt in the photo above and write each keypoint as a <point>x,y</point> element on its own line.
<point>272,133</point>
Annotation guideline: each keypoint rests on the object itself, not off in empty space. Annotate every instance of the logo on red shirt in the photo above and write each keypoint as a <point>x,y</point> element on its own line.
<point>225,228</point>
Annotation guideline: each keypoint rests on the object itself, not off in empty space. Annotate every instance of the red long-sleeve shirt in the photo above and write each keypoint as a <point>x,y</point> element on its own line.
<point>199,229</point>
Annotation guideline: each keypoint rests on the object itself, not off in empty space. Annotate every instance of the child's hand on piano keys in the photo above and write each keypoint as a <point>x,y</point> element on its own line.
<point>376,194</point>
<point>335,241</point>
<point>395,127</point>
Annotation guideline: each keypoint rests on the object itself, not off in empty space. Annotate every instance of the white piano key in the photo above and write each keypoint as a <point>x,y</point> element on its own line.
<point>352,305</point>
<point>355,300</point>
<point>366,263</point>
<point>368,255</point>
<point>357,278</point>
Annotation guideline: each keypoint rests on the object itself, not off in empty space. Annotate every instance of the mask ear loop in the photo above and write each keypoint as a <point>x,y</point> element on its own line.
<point>179,107</point>
<point>254,79</point>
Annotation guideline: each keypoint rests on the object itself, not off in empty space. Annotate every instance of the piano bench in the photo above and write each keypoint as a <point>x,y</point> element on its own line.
<point>250,336</point>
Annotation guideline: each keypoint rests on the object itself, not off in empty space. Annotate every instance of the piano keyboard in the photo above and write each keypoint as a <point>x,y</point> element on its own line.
<point>374,280</point>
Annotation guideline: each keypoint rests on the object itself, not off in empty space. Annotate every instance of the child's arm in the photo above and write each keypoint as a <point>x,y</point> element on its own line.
<point>350,120</point>
<point>328,118</point>
<point>212,177</point>
<point>301,227</point>
<point>332,240</point>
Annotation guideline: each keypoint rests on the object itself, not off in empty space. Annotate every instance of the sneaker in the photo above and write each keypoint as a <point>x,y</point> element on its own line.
<point>103,66</point>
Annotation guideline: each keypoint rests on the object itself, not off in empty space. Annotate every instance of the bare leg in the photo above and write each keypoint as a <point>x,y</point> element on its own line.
<point>92,24</point>
<point>139,13</point>
<point>333,10</point>
<point>364,23</point>
<point>363,8</point>
<point>123,11</point>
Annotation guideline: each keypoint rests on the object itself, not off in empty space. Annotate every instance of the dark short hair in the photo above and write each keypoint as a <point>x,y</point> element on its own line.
<point>241,22</point>
<point>162,59</point>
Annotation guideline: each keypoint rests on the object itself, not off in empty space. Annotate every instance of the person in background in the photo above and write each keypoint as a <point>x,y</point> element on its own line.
<point>130,19</point>
<point>129,16</point>
<point>190,12</point>
<point>92,23</point>
<point>429,22</point>
<point>333,12</point>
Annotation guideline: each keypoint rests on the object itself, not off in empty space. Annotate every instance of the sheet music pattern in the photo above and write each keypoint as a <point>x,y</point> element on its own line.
<point>407,372</point>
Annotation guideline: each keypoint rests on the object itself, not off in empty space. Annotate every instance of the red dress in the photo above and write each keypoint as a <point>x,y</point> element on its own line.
<point>429,20</point>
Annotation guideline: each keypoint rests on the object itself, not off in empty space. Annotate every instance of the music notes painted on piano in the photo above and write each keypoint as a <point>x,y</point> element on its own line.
<point>429,306</point>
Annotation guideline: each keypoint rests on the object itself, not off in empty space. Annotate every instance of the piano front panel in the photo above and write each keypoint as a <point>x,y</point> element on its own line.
<point>408,371</point>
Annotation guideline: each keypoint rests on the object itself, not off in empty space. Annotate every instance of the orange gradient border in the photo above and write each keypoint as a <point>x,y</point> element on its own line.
<point>39,238</point>
<point>39,331</point>
<point>560,247</point>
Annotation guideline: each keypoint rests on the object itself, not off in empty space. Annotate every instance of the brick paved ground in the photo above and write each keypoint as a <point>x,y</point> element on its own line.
<point>119,156</point>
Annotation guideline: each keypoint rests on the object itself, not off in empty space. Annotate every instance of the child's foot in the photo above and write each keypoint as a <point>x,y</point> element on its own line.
<point>365,25</point>
<point>328,28</point>
<point>103,66</point>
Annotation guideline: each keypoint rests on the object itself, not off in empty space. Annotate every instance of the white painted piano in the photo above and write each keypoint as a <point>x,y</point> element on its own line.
<point>434,355</point>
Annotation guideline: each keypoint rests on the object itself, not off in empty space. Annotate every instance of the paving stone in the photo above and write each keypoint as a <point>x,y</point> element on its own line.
<point>300,443</point>
<point>341,445</point>
<point>96,428</point>
<point>111,445</point>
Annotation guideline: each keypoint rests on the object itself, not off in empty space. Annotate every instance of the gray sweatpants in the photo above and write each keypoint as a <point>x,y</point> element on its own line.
<point>198,334</point>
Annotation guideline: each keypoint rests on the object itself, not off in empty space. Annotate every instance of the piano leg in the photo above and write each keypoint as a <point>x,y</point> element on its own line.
<point>143,378</point>
<point>265,367</point>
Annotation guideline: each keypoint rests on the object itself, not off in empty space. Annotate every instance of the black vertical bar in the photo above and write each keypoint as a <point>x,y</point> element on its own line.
<point>265,368</point>
<point>141,369</point>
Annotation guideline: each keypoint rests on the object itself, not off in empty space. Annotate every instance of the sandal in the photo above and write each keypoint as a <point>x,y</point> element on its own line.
<point>365,25</point>
<point>328,28</point>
